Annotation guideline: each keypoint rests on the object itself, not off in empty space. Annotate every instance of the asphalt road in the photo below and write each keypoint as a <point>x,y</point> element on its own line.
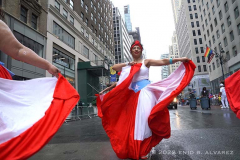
<point>196,134</point>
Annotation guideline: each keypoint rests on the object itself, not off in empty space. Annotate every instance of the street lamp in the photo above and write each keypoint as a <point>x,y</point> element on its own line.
<point>220,56</point>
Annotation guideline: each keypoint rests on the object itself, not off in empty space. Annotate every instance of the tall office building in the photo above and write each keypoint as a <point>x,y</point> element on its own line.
<point>173,53</point>
<point>127,18</point>
<point>136,34</point>
<point>190,43</point>
<point>176,9</point>
<point>121,38</point>
<point>165,69</point>
<point>28,22</point>
<point>220,26</point>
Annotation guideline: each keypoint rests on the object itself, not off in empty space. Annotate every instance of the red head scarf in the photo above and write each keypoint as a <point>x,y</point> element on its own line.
<point>136,43</point>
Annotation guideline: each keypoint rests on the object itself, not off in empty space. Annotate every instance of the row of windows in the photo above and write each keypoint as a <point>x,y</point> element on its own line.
<point>204,68</point>
<point>24,15</point>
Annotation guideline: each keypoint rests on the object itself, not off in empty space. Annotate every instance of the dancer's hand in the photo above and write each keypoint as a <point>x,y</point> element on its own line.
<point>185,59</point>
<point>100,93</point>
<point>132,63</point>
<point>53,70</point>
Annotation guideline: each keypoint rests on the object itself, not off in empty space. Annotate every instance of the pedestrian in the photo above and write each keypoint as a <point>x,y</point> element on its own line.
<point>135,114</point>
<point>223,96</point>
<point>205,94</point>
<point>232,87</point>
<point>31,111</point>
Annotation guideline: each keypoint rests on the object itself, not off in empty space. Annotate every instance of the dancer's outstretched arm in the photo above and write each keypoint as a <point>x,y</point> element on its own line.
<point>108,88</point>
<point>163,62</point>
<point>12,47</point>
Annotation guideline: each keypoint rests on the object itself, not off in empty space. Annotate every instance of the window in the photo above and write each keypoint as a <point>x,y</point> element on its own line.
<point>189,8</point>
<point>82,3</point>
<point>65,13</point>
<point>71,4</point>
<point>207,6</point>
<point>234,51</point>
<point>231,36</point>
<point>204,12</point>
<point>218,34</point>
<point>91,16</point>
<point>195,7</point>
<point>194,34</point>
<point>209,16</point>
<point>223,28</point>
<point>86,8</point>
<point>199,32</point>
<point>213,66</point>
<point>33,45</point>
<point>233,1</point>
<point>229,21</point>
<point>82,30</point>
<point>196,15</point>
<point>195,41</point>
<point>203,59</point>
<point>192,23</point>
<point>220,46</point>
<point>215,22</point>
<point>218,3</point>
<point>71,20</point>
<point>197,22</point>
<point>206,23</point>
<point>198,59</point>
<point>226,7</point>
<point>57,5</point>
<point>202,50</point>
<point>203,27</point>
<point>82,15</point>
<point>200,40</point>
<point>210,70</point>
<point>199,68</point>
<point>213,39</point>
<point>23,15</point>
<point>85,51</point>
<point>63,35</point>
<point>213,10</point>
<point>220,15</point>
<point>34,21</point>
<point>238,28</point>
<point>189,1</point>
<point>86,21</point>
<point>217,61</point>
<point>225,41</point>
<point>87,35</point>
<point>191,16</point>
<point>94,8</point>
<point>201,18</point>
<point>210,44</point>
<point>200,8</point>
<point>236,12</point>
<point>208,33</point>
<point>204,68</point>
<point>196,50</point>
<point>227,56</point>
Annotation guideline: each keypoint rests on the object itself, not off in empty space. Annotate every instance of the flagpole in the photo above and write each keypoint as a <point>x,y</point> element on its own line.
<point>220,56</point>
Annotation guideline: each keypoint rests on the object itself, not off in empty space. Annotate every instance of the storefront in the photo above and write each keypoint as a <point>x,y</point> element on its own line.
<point>65,63</point>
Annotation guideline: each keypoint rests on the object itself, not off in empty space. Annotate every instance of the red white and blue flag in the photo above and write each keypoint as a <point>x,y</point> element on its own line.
<point>31,112</point>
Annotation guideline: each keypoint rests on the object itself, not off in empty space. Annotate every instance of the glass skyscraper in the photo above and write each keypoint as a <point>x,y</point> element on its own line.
<point>127,18</point>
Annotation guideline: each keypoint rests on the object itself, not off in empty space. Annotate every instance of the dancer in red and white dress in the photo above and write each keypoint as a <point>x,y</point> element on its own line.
<point>31,111</point>
<point>135,114</point>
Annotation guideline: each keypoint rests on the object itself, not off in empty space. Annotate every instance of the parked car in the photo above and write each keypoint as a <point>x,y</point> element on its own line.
<point>173,104</point>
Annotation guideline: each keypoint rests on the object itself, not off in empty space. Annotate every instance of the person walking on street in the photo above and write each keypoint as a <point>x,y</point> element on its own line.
<point>223,96</point>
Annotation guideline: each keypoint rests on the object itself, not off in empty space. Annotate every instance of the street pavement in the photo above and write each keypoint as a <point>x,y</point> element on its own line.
<point>196,134</point>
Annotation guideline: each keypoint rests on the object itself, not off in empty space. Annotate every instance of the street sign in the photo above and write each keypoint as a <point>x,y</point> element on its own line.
<point>113,78</point>
<point>112,72</point>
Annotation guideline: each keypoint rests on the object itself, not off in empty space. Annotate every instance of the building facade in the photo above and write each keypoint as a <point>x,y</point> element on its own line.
<point>220,26</point>
<point>165,69</point>
<point>127,18</point>
<point>121,38</point>
<point>28,22</point>
<point>176,9</point>
<point>190,38</point>
<point>136,34</point>
<point>173,53</point>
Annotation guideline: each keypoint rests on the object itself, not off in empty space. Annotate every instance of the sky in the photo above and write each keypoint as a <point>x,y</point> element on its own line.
<point>156,23</point>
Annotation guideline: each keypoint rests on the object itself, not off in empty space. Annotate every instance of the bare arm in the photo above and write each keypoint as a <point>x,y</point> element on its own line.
<point>12,47</point>
<point>118,67</point>
<point>108,88</point>
<point>163,62</point>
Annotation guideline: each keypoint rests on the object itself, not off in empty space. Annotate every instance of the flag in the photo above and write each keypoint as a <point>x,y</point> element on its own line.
<point>31,112</point>
<point>208,52</point>
<point>210,57</point>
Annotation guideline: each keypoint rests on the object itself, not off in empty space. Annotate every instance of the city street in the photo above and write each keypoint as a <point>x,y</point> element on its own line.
<point>196,134</point>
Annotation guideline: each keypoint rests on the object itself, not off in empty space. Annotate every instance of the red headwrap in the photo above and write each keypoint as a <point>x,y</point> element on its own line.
<point>136,43</point>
